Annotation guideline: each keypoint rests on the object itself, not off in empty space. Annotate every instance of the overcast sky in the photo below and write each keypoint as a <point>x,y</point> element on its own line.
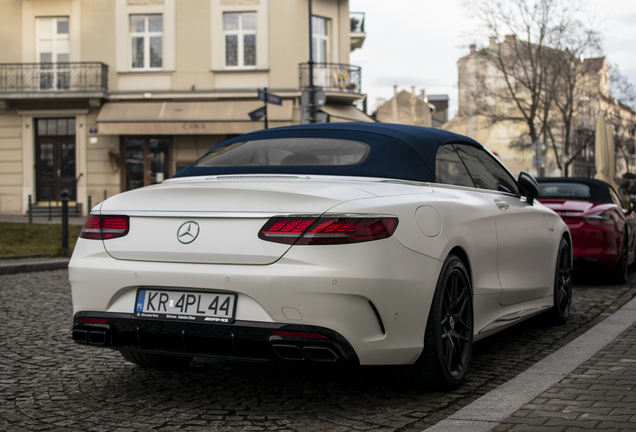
<point>418,43</point>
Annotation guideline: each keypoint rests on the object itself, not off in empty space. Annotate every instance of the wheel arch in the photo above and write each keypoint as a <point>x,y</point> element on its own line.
<point>568,237</point>
<point>460,253</point>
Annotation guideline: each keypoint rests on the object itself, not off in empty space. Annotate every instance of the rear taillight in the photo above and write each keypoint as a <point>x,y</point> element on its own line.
<point>285,230</point>
<point>327,230</point>
<point>105,227</point>
<point>607,217</point>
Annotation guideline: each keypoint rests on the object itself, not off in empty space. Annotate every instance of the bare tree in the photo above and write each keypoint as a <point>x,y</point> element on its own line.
<point>535,73</point>
<point>571,86</point>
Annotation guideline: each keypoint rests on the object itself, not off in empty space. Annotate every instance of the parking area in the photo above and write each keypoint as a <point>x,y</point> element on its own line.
<point>47,382</point>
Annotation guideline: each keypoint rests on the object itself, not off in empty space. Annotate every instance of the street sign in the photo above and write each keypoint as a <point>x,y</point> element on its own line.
<point>271,98</point>
<point>257,114</point>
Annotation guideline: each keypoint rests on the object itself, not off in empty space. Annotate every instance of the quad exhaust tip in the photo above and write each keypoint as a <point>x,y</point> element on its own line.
<point>92,337</point>
<point>320,354</point>
<point>312,353</point>
<point>288,352</point>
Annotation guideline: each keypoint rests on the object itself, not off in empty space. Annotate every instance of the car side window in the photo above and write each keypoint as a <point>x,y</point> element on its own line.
<point>485,171</point>
<point>449,169</point>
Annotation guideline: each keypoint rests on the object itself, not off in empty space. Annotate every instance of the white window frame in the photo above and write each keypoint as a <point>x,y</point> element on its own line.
<point>321,37</point>
<point>146,35</point>
<point>240,33</point>
<point>54,37</point>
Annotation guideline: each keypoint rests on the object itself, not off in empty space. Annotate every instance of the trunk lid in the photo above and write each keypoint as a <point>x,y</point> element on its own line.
<point>216,221</point>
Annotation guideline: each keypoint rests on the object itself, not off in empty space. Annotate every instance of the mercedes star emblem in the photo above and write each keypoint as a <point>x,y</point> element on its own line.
<point>188,232</point>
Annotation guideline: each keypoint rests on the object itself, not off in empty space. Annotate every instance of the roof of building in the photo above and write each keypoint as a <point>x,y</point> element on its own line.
<point>594,63</point>
<point>395,151</point>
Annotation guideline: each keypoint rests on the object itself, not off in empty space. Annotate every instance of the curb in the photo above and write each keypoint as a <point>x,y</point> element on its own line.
<point>502,402</point>
<point>34,266</point>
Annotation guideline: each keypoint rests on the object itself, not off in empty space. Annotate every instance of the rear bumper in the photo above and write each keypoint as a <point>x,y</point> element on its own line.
<point>242,340</point>
<point>595,243</point>
<point>371,300</point>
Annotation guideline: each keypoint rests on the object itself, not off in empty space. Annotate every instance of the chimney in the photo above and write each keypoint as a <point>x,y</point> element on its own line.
<point>511,38</point>
<point>413,91</point>
<point>473,48</point>
<point>424,96</point>
<point>395,90</point>
<point>493,42</point>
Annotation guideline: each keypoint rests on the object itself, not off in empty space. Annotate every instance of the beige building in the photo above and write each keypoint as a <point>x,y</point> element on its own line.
<point>104,96</point>
<point>405,108</point>
<point>486,112</point>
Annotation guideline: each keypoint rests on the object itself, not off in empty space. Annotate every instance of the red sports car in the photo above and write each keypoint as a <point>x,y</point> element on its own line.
<point>603,232</point>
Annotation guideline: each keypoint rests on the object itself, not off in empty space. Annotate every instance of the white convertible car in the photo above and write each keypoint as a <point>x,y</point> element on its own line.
<point>371,244</point>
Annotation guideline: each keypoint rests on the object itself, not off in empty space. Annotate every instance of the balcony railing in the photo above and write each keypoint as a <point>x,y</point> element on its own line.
<point>75,77</point>
<point>332,77</point>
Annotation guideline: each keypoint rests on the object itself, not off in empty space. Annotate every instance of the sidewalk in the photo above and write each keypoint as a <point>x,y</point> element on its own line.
<point>28,263</point>
<point>589,384</point>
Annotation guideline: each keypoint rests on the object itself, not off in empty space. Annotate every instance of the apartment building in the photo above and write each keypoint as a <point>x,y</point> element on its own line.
<point>104,96</point>
<point>489,113</point>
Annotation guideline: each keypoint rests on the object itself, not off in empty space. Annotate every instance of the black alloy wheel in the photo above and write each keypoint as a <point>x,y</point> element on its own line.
<point>619,274</point>
<point>448,340</point>
<point>562,284</point>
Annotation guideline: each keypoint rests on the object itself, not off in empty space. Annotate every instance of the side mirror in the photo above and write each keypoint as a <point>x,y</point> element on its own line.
<point>528,186</point>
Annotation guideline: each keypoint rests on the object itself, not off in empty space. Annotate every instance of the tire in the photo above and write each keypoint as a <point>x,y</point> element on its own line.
<point>560,312</point>
<point>619,274</point>
<point>448,339</point>
<point>156,361</point>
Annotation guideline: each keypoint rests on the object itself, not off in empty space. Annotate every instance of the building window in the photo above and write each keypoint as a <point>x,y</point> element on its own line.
<point>320,39</point>
<point>53,47</point>
<point>146,38</point>
<point>240,39</point>
<point>146,161</point>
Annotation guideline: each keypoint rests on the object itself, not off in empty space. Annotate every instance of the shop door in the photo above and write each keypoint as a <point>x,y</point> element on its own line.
<point>55,159</point>
<point>146,161</point>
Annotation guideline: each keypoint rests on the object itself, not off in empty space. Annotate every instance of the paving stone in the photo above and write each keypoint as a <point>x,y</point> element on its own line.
<point>49,383</point>
<point>605,407</point>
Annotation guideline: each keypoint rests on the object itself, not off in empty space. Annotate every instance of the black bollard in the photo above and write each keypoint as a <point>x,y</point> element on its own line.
<point>90,204</point>
<point>49,209</point>
<point>64,199</point>
<point>30,210</point>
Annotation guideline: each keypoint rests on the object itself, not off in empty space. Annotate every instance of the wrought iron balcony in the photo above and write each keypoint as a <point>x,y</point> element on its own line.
<point>332,77</point>
<point>53,79</point>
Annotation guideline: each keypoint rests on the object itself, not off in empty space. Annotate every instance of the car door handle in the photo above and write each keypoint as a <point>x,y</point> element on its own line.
<point>503,205</point>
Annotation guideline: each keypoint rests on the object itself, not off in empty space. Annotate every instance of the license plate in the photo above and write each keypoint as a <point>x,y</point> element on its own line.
<point>185,306</point>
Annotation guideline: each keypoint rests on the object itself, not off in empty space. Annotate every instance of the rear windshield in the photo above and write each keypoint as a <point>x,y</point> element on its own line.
<point>287,152</point>
<point>564,190</point>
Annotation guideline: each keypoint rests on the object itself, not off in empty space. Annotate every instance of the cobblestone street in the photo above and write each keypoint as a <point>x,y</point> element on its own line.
<point>47,382</point>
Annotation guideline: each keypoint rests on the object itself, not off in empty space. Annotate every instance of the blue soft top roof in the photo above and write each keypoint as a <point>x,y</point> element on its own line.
<point>396,151</point>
